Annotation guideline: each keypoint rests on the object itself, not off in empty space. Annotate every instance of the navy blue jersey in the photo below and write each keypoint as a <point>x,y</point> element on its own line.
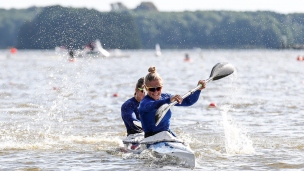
<point>129,113</point>
<point>148,107</point>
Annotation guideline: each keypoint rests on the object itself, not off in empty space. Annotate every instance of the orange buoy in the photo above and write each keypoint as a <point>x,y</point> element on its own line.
<point>13,50</point>
<point>187,60</point>
<point>115,95</point>
<point>300,58</point>
<point>212,105</point>
<point>71,59</point>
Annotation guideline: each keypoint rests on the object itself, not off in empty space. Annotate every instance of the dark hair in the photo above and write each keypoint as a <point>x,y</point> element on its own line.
<point>140,82</point>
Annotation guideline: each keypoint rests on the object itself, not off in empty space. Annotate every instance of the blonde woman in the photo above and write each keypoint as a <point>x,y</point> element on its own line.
<point>155,98</point>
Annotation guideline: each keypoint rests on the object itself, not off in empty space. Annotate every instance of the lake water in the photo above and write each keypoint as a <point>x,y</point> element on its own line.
<point>61,115</point>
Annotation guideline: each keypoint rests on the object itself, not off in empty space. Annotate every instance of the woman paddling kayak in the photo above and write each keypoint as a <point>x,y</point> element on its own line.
<point>155,98</point>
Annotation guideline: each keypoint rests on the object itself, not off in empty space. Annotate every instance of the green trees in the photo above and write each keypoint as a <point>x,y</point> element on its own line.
<point>46,28</point>
<point>10,23</point>
<point>219,29</point>
<point>73,28</point>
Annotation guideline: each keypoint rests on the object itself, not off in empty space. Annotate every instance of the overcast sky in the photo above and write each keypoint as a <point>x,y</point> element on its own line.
<point>280,6</point>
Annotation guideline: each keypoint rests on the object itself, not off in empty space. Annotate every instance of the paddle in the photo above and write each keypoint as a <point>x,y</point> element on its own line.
<point>220,70</point>
<point>138,124</point>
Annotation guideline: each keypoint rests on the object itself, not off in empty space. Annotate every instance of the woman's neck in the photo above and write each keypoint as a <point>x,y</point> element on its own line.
<point>137,98</point>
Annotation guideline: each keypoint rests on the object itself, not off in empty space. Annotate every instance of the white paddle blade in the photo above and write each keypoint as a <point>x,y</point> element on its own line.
<point>138,124</point>
<point>161,112</point>
<point>221,70</point>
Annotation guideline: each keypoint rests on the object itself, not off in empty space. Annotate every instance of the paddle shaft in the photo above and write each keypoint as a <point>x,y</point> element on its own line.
<point>220,70</point>
<point>190,92</point>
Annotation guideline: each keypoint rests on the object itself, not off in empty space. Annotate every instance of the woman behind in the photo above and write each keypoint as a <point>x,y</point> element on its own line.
<point>155,98</point>
<point>129,109</point>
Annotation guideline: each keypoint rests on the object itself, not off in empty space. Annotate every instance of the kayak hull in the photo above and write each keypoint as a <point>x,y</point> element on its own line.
<point>162,143</point>
<point>176,149</point>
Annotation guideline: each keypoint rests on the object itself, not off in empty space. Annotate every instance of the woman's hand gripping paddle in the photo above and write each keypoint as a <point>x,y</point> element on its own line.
<point>220,70</point>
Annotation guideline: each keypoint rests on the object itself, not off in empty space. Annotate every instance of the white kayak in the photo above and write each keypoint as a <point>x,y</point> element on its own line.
<point>132,142</point>
<point>162,143</point>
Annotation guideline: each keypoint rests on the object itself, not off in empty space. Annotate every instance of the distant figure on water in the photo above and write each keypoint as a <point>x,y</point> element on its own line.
<point>72,55</point>
<point>187,58</point>
<point>91,46</point>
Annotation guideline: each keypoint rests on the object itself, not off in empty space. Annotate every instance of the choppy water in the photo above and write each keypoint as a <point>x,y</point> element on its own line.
<point>61,115</point>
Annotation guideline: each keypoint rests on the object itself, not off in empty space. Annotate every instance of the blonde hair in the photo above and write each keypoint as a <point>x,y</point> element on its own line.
<point>153,75</point>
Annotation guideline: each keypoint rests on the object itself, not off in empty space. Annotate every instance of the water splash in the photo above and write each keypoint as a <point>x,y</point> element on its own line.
<point>236,139</point>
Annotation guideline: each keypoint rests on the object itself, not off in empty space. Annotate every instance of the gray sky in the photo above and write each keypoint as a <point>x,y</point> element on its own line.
<point>280,6</point>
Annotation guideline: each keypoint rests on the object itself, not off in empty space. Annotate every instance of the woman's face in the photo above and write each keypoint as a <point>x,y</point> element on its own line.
<point>154,89</point>
<point>140,93</point>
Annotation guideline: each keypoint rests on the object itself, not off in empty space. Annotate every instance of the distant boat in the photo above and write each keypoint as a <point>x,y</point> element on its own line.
<point>95,48</point>
<point>100,49</point>
<point>157,50</point>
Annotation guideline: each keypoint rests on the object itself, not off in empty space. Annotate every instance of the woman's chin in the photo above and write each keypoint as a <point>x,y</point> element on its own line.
<point>156,97</point>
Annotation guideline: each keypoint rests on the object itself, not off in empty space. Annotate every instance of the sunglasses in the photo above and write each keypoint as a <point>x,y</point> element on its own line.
<point>141,89</point>
<point>153,89</point>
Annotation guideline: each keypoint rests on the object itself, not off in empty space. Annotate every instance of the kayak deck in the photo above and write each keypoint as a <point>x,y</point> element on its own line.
<point>162,143</point>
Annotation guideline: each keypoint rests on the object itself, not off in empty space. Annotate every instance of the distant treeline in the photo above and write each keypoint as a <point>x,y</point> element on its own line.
<point>48,27</point>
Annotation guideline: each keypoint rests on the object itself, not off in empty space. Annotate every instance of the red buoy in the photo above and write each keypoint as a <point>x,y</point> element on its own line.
<point>115,95</point>
<point>13,50</point>
<point>212,105</point>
